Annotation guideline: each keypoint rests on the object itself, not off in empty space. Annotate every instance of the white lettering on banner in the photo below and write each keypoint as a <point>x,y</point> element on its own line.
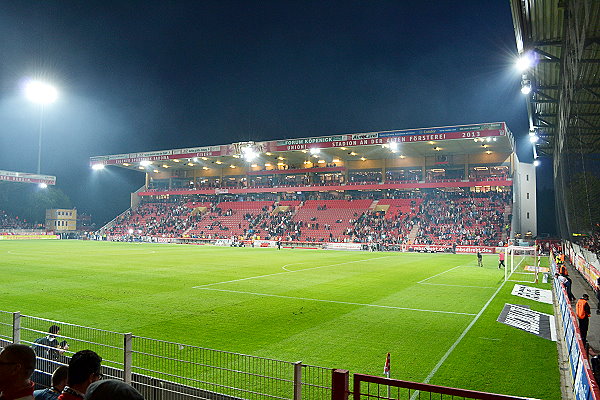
<point>342,246</point>
<point>12,176</point>
<point>365,135</point>
<point>522,318</point>
<point>459,249</point>
<point>528,292</point>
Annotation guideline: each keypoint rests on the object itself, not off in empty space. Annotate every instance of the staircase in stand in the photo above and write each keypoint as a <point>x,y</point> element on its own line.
<point>413,233</point>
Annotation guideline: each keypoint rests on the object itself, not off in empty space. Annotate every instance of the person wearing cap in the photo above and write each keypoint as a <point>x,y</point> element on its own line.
<point>582,310</point>
<point>111,389</point>
<point>17,363</point>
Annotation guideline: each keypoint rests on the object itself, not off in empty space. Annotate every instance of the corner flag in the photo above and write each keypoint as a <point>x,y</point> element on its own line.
<point>386,367</point>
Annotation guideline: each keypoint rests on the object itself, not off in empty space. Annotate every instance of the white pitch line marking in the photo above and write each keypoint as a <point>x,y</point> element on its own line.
<point>469,286</point>
<point>460,338</point>
<point>287,265</point>
<point>334,301</point>
<point>288,272</point>
<point>443,272</point>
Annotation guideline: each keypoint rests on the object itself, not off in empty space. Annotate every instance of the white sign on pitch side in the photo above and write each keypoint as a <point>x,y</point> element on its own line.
<point>521,317</point>
<point>528,292</point>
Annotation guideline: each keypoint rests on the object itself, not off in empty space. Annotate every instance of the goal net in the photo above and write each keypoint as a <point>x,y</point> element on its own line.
<point>522,264</point>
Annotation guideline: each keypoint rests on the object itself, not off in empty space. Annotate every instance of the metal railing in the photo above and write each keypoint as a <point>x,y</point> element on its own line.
<point>163,370</point>
<point>367,387</point>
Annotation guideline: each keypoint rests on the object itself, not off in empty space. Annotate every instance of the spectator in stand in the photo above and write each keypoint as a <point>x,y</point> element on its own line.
<point>598,294</point>
<point>112,389</point>
<point>59,381</point>
<point>17,363</point>
<point>84,369</point>
<point>583,315</point>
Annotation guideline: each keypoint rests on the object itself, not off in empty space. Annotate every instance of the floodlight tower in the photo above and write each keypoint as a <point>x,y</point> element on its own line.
<point>40,93</point>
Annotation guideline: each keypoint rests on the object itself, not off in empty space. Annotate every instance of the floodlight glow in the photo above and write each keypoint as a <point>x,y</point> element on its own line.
<point>536,163</point>
<point>526,86</point>
<point>525,61</point>
<point>393,146</point>
<point>43,185</point>
<point>249,154</point>
<point>145,163</point>
<point>315,151</point>
<point>534,139</point>
<point>97,167</point>
<point>40,92</point>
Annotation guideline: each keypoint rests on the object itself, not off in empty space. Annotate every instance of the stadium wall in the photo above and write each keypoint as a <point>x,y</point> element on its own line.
<point>524,199</point>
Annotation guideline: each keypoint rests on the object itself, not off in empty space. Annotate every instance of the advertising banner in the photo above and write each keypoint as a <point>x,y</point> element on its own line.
<point>25,237</point>
<point>25,177</point>
<point>343,246</point>
<point>535,322</point>
<point>446,248</point>
<point>265,243</point>
<point>533,293</point>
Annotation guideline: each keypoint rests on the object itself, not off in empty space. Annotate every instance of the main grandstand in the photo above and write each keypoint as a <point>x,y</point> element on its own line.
<point>455,185</point>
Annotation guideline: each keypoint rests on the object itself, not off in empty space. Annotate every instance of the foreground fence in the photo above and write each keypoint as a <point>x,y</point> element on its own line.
<point>163,370</point>
<point>369,387</point>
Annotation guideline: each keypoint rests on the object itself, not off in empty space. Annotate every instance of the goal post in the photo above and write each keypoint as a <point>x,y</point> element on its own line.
<point>522,264</point>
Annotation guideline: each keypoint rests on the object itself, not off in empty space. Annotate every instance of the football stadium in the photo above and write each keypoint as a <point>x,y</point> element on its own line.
<point>396,264</point>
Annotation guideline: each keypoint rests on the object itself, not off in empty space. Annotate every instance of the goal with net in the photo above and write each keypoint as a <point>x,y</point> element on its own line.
<point>522,264</point>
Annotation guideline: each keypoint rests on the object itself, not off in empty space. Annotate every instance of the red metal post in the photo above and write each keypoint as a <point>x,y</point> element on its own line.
<point>339,384</point>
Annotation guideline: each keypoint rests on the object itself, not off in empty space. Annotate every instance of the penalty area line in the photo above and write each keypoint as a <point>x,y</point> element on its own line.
<point>335,301</point>
<point>446,284</point>
<point>287,272</point>
<point>448,270</point>
<point>460,338</point>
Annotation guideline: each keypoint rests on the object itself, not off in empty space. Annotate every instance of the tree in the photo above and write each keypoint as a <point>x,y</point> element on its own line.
<point>30,201</point>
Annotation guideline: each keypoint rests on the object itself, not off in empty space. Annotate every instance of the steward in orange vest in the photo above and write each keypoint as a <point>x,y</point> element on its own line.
<point>583,315</point>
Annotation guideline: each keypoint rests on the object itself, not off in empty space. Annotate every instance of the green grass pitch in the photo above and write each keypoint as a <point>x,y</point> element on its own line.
<point>436,314</point>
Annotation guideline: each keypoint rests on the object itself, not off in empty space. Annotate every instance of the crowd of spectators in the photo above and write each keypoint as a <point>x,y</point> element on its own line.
<point>463,219</point>
<point>305,177</point>
<point>591,242</point>
<point>432,218</point>
<point>8,221</point>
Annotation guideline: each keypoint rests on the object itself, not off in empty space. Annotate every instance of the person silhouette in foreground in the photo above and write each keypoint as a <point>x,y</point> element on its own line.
<point>112,389</point>
<point>59,381</point>
<point>17,363</point>
<point>84,369</point>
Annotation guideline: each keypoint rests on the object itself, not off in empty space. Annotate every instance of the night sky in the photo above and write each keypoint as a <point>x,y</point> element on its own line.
<point>152,75</point>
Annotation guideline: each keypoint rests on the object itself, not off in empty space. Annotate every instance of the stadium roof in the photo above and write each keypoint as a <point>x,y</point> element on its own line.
<point>563,39</point>
<point>461,139</point>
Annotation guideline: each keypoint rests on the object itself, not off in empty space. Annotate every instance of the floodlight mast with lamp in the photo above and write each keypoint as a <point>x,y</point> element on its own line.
<point>525,61</point>
<point>40,93</point>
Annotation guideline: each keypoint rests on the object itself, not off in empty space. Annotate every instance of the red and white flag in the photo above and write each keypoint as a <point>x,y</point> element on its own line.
<point>386,367</point>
